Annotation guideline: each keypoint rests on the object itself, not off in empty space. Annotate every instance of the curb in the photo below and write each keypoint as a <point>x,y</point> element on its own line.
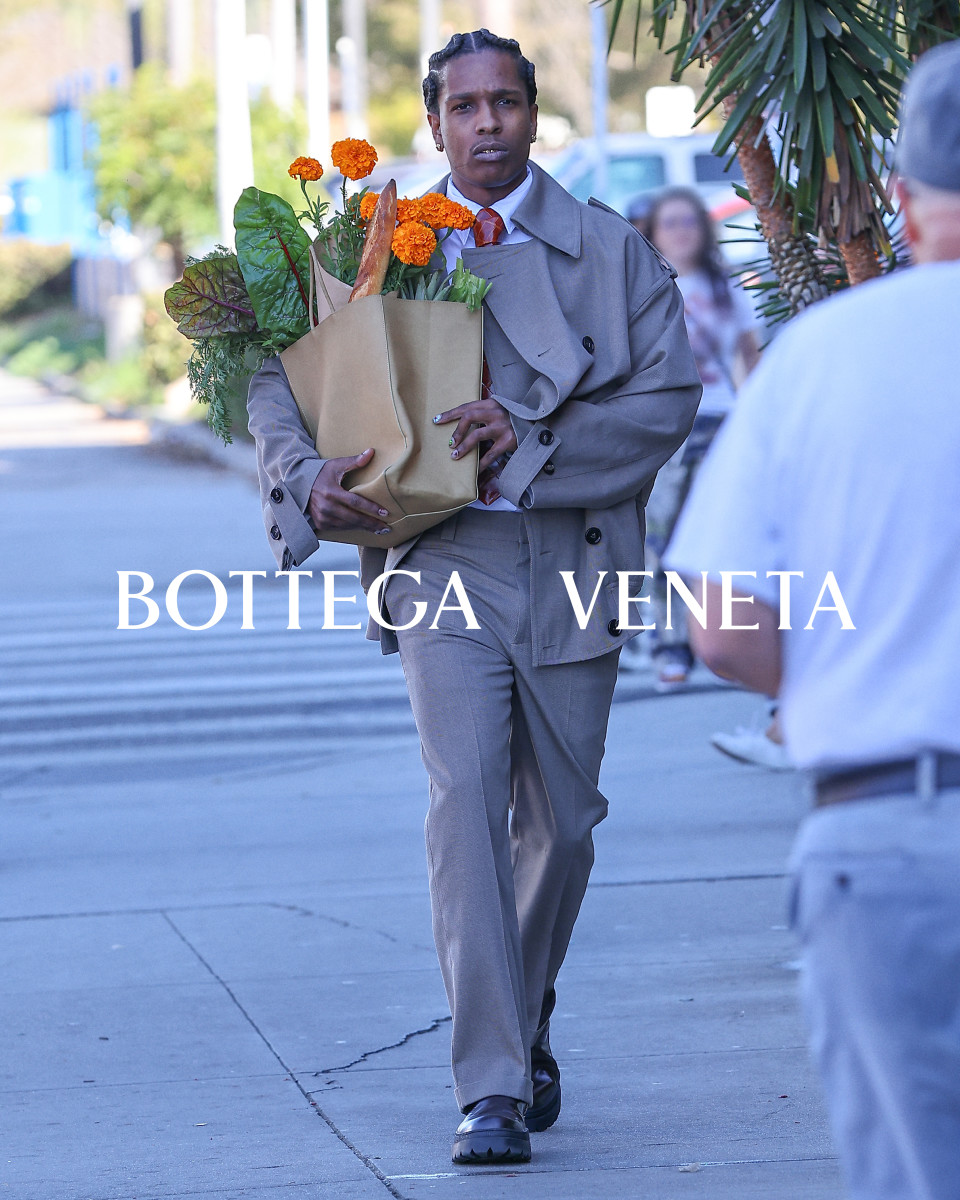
<point>194,441</point>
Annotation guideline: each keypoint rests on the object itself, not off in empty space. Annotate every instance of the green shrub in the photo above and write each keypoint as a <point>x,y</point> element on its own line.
<point>165,349</point>
<point>56,342</point>
<point>31,276</point>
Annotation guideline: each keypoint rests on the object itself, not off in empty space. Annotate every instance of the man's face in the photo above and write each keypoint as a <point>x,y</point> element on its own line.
<point>485,124</point>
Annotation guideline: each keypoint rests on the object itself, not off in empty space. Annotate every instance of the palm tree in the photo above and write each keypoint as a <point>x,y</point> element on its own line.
<point>809,91</point>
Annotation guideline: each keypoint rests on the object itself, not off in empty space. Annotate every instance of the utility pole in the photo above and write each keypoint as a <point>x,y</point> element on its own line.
<point>283,37</point>
<point>234,147</point>
<point>350,103</point>
<point>429,32</point>
<point>317,40</point>
<point>355,31</point>
<point>497,16</point>
<point>180,41</point>
<point>598,38</point>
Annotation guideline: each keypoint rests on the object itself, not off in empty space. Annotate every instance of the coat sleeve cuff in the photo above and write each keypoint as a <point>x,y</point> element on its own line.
<point>526,463</point>
<point>288,526</point>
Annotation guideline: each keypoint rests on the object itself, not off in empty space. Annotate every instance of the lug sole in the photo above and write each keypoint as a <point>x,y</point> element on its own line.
<point>544,1115</point>
<point>482,1149</point>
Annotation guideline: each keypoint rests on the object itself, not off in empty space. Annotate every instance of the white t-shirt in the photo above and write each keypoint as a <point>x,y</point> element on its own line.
<point>458,239</point>
<point>714,332</point>
<point>843,455</point>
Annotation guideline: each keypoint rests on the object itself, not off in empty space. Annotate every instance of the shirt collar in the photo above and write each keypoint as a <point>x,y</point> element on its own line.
<point>546,211</point>
<point>506,207</point>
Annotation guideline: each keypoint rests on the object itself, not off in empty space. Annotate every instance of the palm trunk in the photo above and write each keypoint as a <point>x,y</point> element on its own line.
<point>792,255</point>
<point>860,258</point>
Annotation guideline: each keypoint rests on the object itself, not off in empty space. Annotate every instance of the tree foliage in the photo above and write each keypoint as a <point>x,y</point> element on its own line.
<point>155,153</point>
<point>809,90</point>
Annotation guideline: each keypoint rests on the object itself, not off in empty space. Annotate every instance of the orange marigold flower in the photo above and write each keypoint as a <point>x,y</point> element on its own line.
<point>409,210</point>
<point>441,213</point>
<point>459,216</point>
<point>414,243</point>
<point>305,168</point>
<point>353,157</point>
<point>367,204</point>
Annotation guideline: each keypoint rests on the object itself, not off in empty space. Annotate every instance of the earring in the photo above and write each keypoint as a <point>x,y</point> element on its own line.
<point>440,146</point>
<point>533,139</point>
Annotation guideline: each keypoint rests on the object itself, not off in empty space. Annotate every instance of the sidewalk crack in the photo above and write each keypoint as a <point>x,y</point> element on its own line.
<point>367,1054</point>
<point>370,1165</point>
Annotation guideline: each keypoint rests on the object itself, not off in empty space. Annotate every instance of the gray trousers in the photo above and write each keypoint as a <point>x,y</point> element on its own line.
<point>513,755</point>
<point>876,903</point>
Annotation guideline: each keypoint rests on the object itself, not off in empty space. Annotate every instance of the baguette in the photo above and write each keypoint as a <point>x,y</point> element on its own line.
<point>376,247</point>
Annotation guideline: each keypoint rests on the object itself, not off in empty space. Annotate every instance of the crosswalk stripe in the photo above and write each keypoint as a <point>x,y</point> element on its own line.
<point>78,695</point>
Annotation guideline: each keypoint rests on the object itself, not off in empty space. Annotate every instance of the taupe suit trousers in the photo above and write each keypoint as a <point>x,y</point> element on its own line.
<point>513,754</point>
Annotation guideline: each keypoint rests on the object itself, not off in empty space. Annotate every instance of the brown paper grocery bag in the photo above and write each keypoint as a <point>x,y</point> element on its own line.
<point>374,373</point>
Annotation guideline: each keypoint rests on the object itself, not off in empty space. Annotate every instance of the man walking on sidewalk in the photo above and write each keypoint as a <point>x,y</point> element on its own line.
<point>589,387</point>
<point>844,456</point>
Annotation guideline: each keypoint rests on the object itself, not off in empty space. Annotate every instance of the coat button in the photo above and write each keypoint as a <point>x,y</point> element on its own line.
<point>589,344</point>
<point>275,533</point>
<point>593,535</point>
<point>546,437</point>
<point>613,628</point>
<point>276,496</point>
<point>548,467</point>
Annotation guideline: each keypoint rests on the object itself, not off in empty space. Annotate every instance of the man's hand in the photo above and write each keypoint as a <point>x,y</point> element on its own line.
<point>480,421</point>
<point>331,506</point>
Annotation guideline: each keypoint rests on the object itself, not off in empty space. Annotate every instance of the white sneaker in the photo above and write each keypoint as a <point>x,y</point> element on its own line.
<point>749,746</point>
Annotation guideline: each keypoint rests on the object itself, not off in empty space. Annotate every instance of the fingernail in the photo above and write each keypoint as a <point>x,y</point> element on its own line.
<point>451,442</point>
<point>383,512</point>
<point>454,453</point>
<point>437,418</point>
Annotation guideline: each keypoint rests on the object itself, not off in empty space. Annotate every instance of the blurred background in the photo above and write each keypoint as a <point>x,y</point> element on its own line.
<point>129,128</point>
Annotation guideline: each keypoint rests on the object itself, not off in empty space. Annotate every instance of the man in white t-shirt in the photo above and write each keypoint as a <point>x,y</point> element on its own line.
<point>842,461</point>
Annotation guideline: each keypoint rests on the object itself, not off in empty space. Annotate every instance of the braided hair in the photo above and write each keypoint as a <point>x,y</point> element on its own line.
<point>473,43</point>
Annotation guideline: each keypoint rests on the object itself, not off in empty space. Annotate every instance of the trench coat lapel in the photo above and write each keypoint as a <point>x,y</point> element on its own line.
<point>523,300</point>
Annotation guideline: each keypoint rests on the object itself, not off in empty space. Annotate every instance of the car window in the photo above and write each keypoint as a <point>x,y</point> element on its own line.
<point>626,177</point>
<point>709,168</point>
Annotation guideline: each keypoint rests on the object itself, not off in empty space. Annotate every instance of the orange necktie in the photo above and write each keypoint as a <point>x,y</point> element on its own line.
<point>488,229</point>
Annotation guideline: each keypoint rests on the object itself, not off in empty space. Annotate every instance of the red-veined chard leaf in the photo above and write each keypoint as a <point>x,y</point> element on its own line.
<point>274,255</point>
<point>211,299</point>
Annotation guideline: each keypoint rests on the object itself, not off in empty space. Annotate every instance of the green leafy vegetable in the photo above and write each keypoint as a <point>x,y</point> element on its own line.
<point>211,298</point>
<point>219,370</point>
<point>274,255</point>
<point>467,288</point>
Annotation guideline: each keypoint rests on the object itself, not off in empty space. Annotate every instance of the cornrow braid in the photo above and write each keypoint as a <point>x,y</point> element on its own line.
<point>473,43</point>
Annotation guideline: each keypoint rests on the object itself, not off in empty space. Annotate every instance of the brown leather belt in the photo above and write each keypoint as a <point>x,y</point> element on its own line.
<point>888,779</point>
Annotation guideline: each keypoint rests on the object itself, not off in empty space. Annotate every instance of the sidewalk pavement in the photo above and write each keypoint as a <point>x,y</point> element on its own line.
<point>222,984</point>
